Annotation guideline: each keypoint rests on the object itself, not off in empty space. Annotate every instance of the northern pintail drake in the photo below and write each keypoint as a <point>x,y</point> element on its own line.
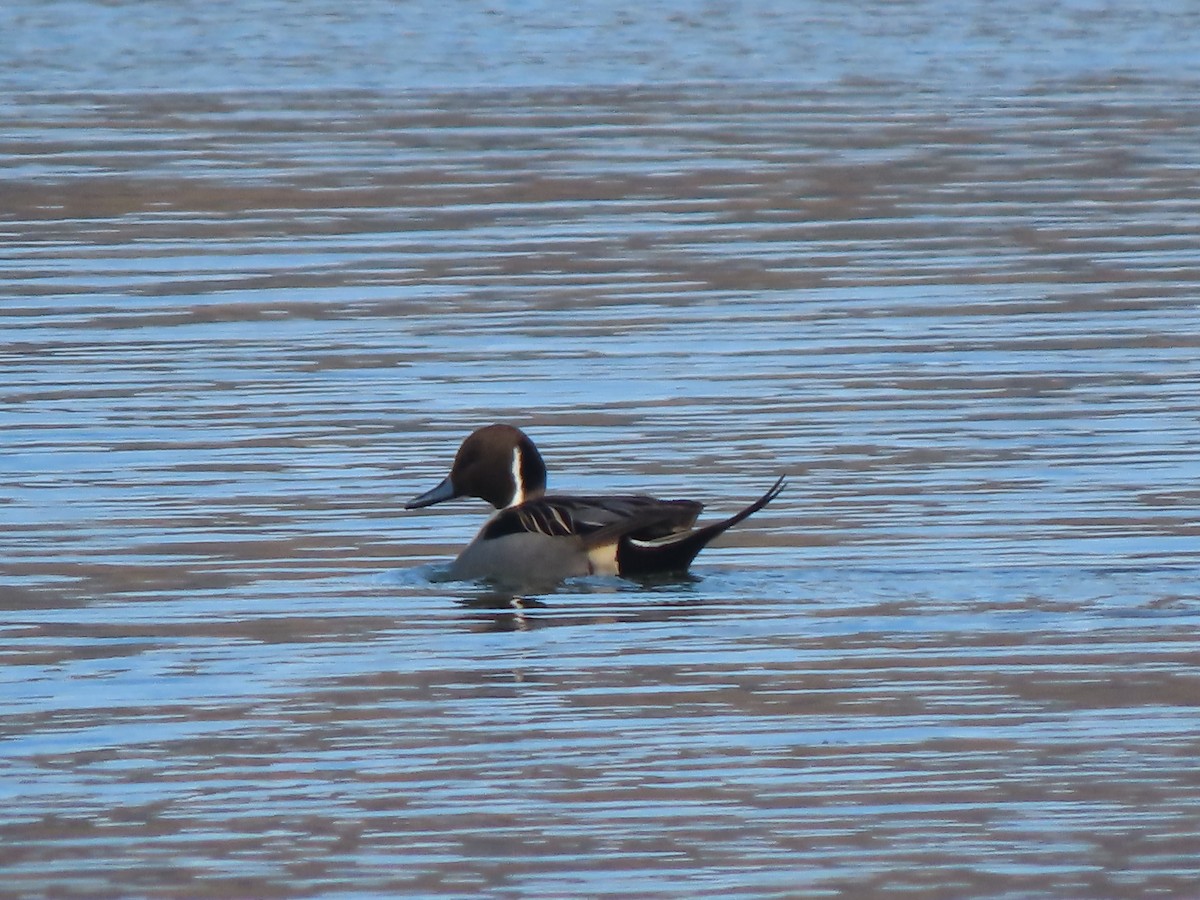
<point>539,538</point>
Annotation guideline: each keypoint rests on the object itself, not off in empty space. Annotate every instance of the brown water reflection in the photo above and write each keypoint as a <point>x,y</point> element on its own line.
<point>957,658</point>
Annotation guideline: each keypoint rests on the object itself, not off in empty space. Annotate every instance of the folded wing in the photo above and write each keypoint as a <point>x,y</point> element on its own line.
<point>596,520</point>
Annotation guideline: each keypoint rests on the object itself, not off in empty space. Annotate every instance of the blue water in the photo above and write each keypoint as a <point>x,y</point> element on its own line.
<point>266,265</point>
<point>970,48</point>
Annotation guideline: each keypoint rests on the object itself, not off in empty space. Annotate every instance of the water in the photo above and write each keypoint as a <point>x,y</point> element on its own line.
<point>941,269</point>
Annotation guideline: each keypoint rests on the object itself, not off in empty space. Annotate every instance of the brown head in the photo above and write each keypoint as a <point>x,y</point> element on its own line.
<point>497,463</point>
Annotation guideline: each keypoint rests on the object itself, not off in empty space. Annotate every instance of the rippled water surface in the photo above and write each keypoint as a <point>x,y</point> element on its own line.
<point>955,297</point>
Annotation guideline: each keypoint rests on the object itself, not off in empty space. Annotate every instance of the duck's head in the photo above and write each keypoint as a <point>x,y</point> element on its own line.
<point>496,463</point>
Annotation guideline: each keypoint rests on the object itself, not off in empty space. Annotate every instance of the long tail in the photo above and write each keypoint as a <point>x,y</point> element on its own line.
<point>673,554</point>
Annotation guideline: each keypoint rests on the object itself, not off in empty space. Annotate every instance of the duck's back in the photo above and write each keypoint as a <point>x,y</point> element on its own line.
<point>595,518</point>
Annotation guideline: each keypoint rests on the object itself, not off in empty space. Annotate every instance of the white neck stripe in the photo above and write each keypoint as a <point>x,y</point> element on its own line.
<point>518,483</point>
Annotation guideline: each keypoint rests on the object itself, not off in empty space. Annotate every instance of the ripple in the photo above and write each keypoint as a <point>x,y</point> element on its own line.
<point>957,655</point>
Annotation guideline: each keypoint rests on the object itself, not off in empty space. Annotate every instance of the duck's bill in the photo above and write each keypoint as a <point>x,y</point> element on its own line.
<point>444,491</point>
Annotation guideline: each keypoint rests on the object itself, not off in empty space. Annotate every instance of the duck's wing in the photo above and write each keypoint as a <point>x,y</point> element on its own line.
<point>596,520</point>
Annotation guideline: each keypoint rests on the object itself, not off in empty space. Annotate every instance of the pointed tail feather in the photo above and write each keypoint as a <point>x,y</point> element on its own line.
<point>675,553</point>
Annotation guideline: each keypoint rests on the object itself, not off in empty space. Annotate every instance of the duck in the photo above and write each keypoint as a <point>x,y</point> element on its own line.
<point>539,538</point>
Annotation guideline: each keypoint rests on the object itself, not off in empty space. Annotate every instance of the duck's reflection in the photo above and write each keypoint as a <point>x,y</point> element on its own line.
<point>508,610</point>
